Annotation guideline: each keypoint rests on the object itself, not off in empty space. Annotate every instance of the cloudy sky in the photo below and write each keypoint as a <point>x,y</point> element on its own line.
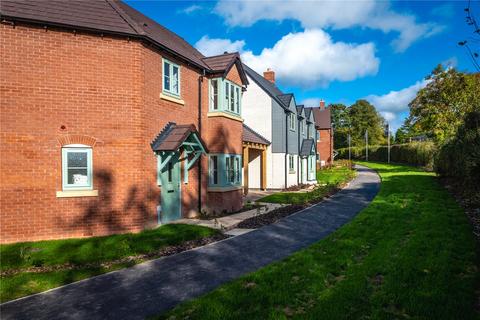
<point>339,51</point>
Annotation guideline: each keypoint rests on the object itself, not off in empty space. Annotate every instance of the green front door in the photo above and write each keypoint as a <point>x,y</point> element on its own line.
<point>170,190</point>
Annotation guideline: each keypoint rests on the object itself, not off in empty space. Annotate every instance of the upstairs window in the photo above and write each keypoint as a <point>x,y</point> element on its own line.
<point>318,135</point>
<point>77,167</point>
<point>292,121</point>
<point>225,96</point>
<point>214,94</point>
<point>171,78</point>
<point>302,127</point>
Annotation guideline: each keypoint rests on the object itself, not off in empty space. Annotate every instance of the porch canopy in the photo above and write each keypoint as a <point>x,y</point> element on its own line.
<point>174,137</point>
<point>308,148</point>
<point>254,141</point>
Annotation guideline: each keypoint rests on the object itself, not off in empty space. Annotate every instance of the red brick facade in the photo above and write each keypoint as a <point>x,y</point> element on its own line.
<point>58,87</point>
<point>325,146</point>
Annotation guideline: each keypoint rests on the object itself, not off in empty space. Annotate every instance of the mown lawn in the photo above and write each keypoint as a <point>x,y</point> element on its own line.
<point>77,259</point>
<point>328,180</point>
<point>409,255</point>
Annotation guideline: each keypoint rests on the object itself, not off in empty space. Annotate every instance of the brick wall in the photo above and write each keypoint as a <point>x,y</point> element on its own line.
<point>324,146</point>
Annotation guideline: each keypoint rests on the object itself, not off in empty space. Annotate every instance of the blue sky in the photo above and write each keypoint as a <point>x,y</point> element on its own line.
<point>339,51</point>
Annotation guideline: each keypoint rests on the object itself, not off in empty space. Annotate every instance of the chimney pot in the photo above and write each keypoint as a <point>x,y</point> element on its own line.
<point>269,75</point>
<point>322,104</point>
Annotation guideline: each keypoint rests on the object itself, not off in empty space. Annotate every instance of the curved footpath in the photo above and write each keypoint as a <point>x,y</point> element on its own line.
<point>155,286</point>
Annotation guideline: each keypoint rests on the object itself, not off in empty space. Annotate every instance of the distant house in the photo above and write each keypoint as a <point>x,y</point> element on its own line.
<point>111,123</point>
<point>324,134</point>
<point>287,155</point>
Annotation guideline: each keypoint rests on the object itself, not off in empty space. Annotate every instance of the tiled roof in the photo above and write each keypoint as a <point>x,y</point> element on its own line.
<point>109,16</point>
<point>249,135</point>
<point>221,62</point>
<point>322,118</point>
<point>270,88</point>
<point>172,137</point>
<point>308,111</point>
<point>286,99</point>
<point>299,109</point>
<point>307,147</point>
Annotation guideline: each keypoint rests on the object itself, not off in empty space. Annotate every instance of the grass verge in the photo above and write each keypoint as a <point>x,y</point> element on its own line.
<point>409,255</point>
<point>32,267</point>
<point>329,180</point>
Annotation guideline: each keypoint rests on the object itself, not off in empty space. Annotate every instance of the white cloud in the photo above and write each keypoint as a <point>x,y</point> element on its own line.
<point>339,14</point>
<point>211,47</point>
<point>451,62</point>
<point>306,58</point>
<point>311,58</point>
<point>191,9</point>
<point>393,106</point>
<point>396,101</point>
<point>311,102</point>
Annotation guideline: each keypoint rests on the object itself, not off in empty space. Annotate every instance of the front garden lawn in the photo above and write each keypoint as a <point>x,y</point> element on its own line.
<point>328,181</point>
<point>66,261</point>
<point>409,255</point>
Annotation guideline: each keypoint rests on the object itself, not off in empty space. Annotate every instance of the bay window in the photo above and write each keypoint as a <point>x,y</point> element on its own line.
<point>225,170</point>
<point>225,96</point>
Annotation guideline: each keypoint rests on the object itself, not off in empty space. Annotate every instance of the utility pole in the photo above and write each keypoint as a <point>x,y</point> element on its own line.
<point>349,148</point>
<point>366,145</point>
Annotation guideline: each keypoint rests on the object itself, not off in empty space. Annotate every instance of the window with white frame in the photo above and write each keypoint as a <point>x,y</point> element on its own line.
<point>171,78</point>
<point>293,119</point>
<point>302,127</point>
<point>318,135</point>
<point>77,167</point>
<point>291,163</point>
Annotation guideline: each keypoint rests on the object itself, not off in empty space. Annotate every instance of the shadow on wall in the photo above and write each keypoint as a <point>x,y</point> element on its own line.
<point>114,213</point>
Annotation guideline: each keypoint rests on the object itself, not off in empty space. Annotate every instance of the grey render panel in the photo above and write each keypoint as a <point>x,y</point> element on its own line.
<point>293,136</point>
<point>278,128</point>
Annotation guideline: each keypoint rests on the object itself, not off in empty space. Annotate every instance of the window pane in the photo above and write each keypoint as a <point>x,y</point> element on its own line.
<point>237,100</point>
<point>232,98</point>
<point>170,168</point>
<point>77,159</point>
<point>77,177</point>
<point>166,76</point>
<point>214,92</point>
<point>215,170</point>
<point>227,96</point>
<point>175,80</point>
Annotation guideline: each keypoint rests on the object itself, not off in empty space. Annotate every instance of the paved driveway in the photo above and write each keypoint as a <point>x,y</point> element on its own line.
<point>158,285</point>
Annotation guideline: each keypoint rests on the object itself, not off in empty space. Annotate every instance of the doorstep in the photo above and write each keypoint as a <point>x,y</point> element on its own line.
<point>231,221</point>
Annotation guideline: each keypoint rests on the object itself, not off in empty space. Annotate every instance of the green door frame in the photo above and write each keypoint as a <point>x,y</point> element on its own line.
<point>169,178</point>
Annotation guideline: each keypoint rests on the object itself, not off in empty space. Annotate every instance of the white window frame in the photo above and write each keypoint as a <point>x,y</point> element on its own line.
<point>302,126</point>
<point>293,119</point>
<point>214,107</point>
<point>213,170</point>
<point>170,76</point>
<point>291,163</point>
<point>77,148</point>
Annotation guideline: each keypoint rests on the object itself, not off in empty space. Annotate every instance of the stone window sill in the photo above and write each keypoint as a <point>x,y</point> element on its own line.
<point>77,193</point>
<point>223,189</point>
<point>212,114</point>
<point>172,99</point>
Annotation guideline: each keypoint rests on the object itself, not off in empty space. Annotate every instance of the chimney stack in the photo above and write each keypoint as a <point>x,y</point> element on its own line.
<point>322,104</point>
<point>269,75</point>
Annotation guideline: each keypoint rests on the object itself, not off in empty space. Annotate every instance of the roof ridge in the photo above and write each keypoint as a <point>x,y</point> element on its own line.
<point>223,54</point>
<point>132,23</point>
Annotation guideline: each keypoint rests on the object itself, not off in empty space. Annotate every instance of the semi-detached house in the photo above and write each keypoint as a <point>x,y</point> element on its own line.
<point>111,123</point>
<point>288,154</point>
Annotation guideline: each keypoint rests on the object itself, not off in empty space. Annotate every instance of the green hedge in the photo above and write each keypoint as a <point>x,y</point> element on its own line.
<point>459,158</point>
<point>415,153</point>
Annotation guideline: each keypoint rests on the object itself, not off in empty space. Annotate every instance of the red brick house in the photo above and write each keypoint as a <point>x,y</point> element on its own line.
<point>324,136</point>
<point>110,122</point>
